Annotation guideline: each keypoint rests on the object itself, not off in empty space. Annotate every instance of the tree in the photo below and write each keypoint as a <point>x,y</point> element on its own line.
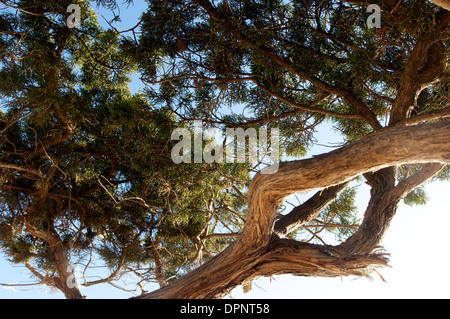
<point>295,64</point>
<point>69,173</point>
<point>86,171</point>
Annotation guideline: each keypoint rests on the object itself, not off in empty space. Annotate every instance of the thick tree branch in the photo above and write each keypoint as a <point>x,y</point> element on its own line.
<point>425,63</point>
<point>433,115</point>
<point>286,256</point>
<point>405,186</point>
<point>378,150</point>
<point>242,260</point>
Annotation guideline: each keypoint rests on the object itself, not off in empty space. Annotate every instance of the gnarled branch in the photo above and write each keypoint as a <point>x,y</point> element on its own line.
<point>250,255</point>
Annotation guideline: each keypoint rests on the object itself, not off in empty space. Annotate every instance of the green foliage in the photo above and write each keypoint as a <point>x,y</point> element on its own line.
<point>340,217</point>
<point>417,197</point>
<point>443,174</point>
<point>95,168</point>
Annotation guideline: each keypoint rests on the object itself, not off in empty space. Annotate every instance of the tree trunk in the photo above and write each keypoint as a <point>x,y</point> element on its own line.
<point>378,216</point>
<point>60,261</point>
<point>65,276</point>
<point>257,252</point>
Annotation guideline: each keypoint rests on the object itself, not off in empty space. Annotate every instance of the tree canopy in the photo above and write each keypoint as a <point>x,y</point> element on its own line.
<point>86,174</point>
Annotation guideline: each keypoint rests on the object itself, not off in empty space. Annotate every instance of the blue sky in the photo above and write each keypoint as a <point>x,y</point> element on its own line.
<point>417,241</point>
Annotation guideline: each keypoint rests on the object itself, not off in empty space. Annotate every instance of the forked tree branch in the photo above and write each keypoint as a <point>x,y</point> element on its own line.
<point>386,148</point>
<point>257,253</point>
<point>426,63</point>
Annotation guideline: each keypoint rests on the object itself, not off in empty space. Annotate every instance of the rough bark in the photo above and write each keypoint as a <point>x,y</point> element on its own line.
<point>257,252</point>
<point>60,262</point>
<point>426,63</point>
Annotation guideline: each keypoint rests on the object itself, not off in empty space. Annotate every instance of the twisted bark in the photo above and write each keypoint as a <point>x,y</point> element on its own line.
<point>257,252</point>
